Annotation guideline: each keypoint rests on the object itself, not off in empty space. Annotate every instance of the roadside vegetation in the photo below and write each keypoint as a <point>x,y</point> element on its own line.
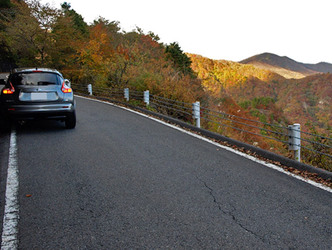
<point>102,54</point>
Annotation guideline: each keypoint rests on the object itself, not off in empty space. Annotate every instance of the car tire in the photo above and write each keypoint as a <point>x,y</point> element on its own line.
<point>70,121</point>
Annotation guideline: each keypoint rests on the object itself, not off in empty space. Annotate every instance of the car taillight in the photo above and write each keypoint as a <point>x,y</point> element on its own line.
<point>9,91</point>
<point>65,88</point>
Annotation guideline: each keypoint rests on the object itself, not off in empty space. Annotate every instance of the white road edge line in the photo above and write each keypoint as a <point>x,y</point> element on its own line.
<point>11,213</point>
<point>267,164</point>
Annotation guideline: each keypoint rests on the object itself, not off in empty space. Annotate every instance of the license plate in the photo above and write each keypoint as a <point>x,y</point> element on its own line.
<point>38,96</point>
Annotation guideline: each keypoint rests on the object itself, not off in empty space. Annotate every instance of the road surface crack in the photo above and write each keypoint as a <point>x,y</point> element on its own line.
<point>229,213</point>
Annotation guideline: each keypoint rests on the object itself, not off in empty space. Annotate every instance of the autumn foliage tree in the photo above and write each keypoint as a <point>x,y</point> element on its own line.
<point>29,32</point>
<point>99,53</point>
<point>38,35</point>
<point>102,54</point>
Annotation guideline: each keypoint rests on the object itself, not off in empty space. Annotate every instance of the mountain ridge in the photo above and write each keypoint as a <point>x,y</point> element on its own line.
<point>306,101</point>
<point>286,66</point>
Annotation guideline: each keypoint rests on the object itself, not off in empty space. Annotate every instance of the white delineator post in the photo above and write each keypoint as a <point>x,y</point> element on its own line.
<point>126,94</point>
<point>147,97</point>
<point>197,113</point>
<point>90,89</point>
<point>294,140</point>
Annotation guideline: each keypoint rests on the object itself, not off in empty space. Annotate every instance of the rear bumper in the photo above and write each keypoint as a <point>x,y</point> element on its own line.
<point>33,111</point>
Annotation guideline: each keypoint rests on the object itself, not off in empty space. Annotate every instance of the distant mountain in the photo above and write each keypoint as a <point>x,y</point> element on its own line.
<point>286,66</point>
<point>320,67</point>
<point>306,101</point>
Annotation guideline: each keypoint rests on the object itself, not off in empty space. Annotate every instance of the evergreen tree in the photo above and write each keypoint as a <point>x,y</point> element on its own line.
<point>181,61</point>
<point>78,20</point>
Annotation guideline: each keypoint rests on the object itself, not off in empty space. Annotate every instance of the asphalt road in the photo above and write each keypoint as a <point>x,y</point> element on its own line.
<point>120,180</point>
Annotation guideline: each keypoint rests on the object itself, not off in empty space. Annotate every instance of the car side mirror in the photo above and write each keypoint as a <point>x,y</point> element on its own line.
<point>68,83</point>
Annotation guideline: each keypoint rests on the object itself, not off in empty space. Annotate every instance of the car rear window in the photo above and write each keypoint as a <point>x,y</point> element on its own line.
<point>34,79</point>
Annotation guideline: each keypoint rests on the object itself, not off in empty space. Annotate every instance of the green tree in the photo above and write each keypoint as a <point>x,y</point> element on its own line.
<point>180,60</point>
<point>7,60</point>
<point>66,44</point>
<point>29,32</point>
<point>78,21</point>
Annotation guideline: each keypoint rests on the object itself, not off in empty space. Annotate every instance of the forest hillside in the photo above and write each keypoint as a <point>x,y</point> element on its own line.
<point>307,101</point>
<point>33,34</point>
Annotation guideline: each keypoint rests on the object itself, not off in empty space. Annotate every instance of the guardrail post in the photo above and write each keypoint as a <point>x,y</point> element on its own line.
<point>90,89</point>
<point>294,140</point>
<point>147,97</point>
<point>126,94</point>
<point>197,114</point>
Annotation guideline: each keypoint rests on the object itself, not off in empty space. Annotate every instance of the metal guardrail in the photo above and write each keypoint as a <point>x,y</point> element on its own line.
<point>290,136</point>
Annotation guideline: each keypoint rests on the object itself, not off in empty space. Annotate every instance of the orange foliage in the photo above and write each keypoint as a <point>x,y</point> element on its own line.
<point>306,101</point>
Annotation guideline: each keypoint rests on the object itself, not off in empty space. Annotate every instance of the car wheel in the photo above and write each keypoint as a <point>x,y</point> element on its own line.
<point>70,121</point>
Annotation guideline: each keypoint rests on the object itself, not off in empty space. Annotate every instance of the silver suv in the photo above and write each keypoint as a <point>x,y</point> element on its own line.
<point>38,93</point>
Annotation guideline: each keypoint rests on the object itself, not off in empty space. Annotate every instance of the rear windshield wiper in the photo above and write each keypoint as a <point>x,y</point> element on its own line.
<point>46,83</point>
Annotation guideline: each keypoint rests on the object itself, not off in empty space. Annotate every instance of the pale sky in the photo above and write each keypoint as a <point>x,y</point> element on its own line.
<point>225,29</point>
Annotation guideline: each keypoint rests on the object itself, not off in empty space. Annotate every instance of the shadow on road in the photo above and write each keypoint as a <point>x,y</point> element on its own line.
<point>39,126</point>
